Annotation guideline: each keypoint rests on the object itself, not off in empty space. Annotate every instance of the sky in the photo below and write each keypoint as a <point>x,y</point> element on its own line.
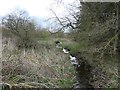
<point>39,9</point>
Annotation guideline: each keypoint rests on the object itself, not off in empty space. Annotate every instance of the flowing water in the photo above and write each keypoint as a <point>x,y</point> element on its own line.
<point>82,68</point>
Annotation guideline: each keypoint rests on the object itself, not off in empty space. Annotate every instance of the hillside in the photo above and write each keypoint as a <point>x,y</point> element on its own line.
<point>45,67</point>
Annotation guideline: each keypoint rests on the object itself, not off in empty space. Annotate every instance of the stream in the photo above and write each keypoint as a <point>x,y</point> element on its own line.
<point>82,69</point>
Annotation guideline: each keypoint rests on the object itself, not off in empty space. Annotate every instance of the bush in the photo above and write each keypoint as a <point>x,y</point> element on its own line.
<point>20,26</point>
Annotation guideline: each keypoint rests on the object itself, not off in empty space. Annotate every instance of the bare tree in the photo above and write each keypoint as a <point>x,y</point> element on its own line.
<point>20,25</point>
<point>69,21</point>
<point>17,22</point>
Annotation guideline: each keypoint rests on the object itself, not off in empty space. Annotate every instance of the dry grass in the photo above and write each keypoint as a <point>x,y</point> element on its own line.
<point>47,66</point>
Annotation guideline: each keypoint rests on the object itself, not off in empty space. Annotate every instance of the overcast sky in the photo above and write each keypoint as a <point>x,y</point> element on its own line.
<point>39,8</point>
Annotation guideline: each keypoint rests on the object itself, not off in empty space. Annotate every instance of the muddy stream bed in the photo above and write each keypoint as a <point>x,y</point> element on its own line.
<point>82,69</point>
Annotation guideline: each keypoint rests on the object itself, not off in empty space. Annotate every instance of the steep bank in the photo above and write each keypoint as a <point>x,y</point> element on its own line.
<point>96,71</point>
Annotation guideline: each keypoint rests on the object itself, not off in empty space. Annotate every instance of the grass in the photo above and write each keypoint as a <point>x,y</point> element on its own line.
<point>47,66</point>
<point>108,63</point>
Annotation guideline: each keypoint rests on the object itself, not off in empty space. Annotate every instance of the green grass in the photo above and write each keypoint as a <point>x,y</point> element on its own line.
<point>108,63</point>
<point>65,83</point>
<point>60,64</point>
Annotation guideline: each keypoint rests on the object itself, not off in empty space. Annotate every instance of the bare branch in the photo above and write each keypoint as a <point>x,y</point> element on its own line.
<point>61,23</point>
<point>57,18</point>
<point>55,32</point>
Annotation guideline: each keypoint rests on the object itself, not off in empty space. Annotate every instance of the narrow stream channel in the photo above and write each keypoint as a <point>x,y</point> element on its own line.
<point>82,80</point>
